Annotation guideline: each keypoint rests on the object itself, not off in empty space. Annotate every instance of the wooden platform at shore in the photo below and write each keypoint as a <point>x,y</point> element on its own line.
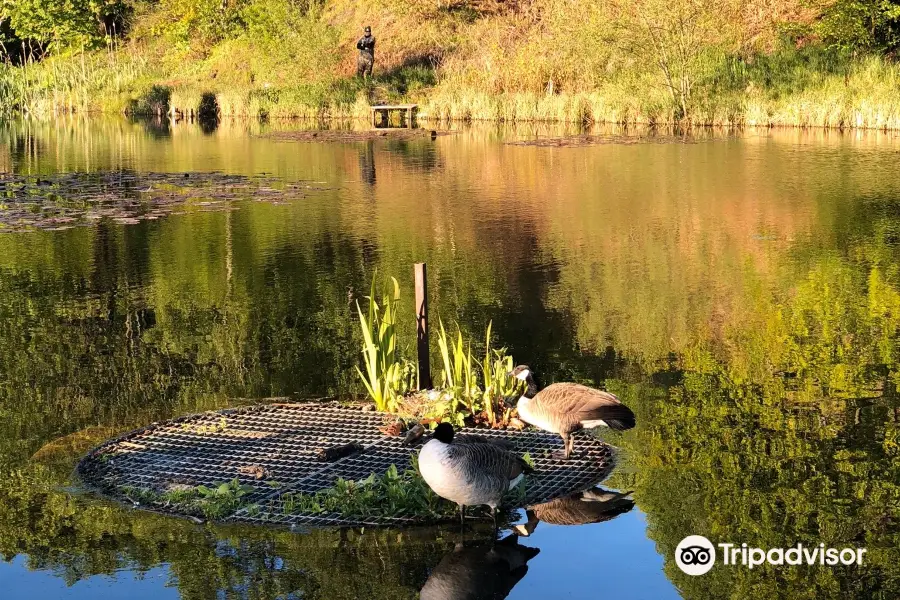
<point>410,111</point>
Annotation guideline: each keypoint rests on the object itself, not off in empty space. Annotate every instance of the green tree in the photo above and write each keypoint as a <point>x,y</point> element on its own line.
<point>57,24</point>
<point>872,25</point>
<point>679,39</point>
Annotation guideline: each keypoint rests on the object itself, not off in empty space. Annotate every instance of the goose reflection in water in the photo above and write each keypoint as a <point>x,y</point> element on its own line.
<point>590,506</point>
<point>481,571</point>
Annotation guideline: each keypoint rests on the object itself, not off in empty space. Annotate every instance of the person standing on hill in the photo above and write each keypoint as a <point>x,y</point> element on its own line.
<point>366,60</point>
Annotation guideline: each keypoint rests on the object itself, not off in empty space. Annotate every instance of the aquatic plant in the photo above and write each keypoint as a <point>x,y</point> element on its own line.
<point>222,499</point>
<point>213,502</point>
<point>387,375</point>
<point>498,385</point>
<point>392,494</point>
<point>473,388</point>
<point>458,375</point>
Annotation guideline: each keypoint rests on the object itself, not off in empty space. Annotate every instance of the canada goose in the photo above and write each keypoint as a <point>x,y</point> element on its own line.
<point>475,438</point>
<point>590,506</point>
<point>469,473</point>
<point>486,571</point>
<point>564,408</point>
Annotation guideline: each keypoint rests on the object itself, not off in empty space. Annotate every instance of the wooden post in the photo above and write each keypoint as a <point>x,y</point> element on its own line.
<point>422,346</point>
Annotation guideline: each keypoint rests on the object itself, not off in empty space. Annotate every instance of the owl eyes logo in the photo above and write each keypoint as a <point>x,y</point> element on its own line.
<point>695,555</point>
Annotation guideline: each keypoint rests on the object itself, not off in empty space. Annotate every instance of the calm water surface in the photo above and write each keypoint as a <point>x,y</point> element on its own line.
<point>740,292</point>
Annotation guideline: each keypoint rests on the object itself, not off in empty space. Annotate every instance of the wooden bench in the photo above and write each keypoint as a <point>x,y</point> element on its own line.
<point>385,109</point>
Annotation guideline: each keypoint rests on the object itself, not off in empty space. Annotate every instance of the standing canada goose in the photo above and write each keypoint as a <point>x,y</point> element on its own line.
<point>469,473</point>
<point>565,408</point>
<point>486,571</point>
<point>590,506</point>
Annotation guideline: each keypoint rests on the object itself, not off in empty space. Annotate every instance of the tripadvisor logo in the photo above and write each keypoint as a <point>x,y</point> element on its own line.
<point>696,555</point>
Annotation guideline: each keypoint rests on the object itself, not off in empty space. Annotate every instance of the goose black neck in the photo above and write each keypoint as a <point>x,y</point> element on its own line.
<point>532,389</point>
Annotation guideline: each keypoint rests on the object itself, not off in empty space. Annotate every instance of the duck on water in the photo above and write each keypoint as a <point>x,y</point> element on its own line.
<point>469,473</point>
<point>565,408</point>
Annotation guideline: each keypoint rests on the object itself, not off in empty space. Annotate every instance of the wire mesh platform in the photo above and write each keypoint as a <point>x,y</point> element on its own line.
<point>274,449</point>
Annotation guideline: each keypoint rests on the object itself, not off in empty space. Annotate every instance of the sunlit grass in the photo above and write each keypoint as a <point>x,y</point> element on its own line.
<point>478,63</point>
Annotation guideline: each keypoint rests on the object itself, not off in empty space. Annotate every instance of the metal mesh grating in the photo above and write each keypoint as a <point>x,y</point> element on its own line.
<point>274,448</point>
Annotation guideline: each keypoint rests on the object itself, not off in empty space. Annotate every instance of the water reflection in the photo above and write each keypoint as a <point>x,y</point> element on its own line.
<point>482,571</point>
<point>741,295</point>
<point>582,508</point>
<point>157,127</point>
<point>367,163</point>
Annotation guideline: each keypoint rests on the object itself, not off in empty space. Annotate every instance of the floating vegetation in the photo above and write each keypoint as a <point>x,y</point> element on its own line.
<point>213,502</point>
<point>335,135</point>
<point>392,494</point>
<point>576,141</point>
<point>66,200</point>
<point>472,390</point>
<point>387,376</point>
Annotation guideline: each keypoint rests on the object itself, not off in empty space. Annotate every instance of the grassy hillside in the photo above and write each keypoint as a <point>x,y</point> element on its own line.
<point>763,62</point>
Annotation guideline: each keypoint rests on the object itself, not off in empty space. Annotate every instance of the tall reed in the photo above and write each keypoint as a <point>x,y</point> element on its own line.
<point>387,376</point>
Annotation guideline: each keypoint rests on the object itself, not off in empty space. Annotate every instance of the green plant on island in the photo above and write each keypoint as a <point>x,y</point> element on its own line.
<point>498,385</point>
<point>392,494</point>
<point>458,375</point>
<point>213,502</point>
<point>222,499</point>
<point>469,388</point>
<point>387,376</point>
<point>473,388</point>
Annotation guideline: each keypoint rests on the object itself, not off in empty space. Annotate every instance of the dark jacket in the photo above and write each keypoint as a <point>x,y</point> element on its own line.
<point>366,44</point>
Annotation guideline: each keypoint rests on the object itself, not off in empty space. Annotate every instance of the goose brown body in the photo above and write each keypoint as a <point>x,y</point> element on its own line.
<point>565,408</point>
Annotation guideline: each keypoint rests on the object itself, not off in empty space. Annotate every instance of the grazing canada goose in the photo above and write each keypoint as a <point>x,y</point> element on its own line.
<point>564,408</point>
<point>469,473</point>
<point>486,571</point>
<point>590,506</point>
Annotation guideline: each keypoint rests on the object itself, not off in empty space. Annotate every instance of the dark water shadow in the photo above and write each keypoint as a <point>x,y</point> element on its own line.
<point>208,113</point>
<point>479,571</point>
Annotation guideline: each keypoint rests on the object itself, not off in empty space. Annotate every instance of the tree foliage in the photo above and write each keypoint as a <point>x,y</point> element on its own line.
<point>868,25</point>
<point>57,24</point>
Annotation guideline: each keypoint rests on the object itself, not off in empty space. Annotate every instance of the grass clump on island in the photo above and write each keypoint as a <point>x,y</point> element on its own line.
<point>392,494</point>
<point>215,502</point>
<point>473,388</point>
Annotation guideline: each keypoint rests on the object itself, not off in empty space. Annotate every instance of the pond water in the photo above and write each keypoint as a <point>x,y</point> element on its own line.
<point>740,292</point>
